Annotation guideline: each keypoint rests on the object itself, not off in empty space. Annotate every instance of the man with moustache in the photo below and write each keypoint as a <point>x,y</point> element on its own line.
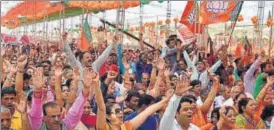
<point>48,116</point>
<point>8,97</point>
<point>5,118</point>
<point>86,58</point>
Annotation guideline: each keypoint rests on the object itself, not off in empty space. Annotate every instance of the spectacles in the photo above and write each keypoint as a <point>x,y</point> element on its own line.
<point>117,111</point>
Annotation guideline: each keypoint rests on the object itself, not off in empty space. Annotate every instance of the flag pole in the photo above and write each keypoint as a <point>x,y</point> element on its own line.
<point>233,27</point>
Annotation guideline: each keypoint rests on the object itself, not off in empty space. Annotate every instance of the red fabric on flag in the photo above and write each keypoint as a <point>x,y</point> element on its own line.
<point>188,18</point>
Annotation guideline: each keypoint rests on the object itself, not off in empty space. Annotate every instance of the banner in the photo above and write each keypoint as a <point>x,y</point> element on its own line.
<point>185,34</point>
<point>25,39</point>
<point>219,11</point>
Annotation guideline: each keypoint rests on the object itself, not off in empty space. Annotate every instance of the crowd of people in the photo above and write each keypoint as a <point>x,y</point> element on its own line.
<point>178,87</point>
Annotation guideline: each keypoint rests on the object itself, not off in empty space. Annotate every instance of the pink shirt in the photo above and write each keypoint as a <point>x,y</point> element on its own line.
<point>71,119</point>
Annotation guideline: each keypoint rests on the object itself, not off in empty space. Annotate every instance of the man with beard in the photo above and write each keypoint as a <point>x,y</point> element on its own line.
<point>5,118</point>
<point>8,97</point>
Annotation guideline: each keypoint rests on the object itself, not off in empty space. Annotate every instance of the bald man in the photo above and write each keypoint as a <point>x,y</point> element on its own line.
<point>5,118</point>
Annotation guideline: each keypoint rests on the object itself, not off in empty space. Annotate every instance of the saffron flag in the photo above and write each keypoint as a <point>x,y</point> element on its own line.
<point>219,11</point>
<point>189,17</point>
<point>86,37</point>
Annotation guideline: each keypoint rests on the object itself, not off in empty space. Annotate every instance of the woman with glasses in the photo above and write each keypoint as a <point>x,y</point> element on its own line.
<point>110,116</point>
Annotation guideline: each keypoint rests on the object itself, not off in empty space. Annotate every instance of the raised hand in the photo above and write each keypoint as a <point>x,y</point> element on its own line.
<point>95,77</point>
<point>12,70</point>
<point>126,64</point>
<point>21,107</point>
<point>161,64</point>
<point>76,74</point>
<point>88,78</point>
<point>182,86</point>
<point>38,80</point>
<point>270,80</point>
<point>154,62</point>
<point>222,112</point>
<point>168,94</point>
<point>167,72</point>
<point>58,71</point>
<point>22,61</point>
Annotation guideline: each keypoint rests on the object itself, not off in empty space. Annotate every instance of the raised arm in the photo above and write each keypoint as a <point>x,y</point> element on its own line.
<point>8,82</point>
<point>101,107</point>
<point>188,61</point>
<point>264,90</point>
<point>120,58</point>
<point>167,120</point>
<point>69,54</point>
<point>141,42</point>
<point>19,78</point>
<point>249,74</point>
<point>75,112</point>
<point>214,68</point>
<point>153,74</point>
<point>96,65</point>
<point>22,108</point>
<point>35,114</point>
<point>141,118</point>
<point>211,95</point>
<point>58,84</point>
<point>73,87</point>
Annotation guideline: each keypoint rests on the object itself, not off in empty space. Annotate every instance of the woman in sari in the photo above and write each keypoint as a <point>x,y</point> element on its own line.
<point>247,118</point>
<point>226,120</point>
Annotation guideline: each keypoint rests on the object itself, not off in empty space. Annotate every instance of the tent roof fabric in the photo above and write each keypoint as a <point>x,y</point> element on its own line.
<point>35,12</point>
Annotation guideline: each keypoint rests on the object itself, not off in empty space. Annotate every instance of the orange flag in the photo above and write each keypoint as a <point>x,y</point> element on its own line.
<point>86,37</point>
<point>188,18</point>
<point>219,11</point>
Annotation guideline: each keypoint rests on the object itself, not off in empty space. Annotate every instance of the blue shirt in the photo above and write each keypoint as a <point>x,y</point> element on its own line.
<point>141,68</point>
<point>150,123</point>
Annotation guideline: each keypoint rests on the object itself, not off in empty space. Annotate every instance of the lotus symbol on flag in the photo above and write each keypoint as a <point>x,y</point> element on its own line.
<point>217,6</point>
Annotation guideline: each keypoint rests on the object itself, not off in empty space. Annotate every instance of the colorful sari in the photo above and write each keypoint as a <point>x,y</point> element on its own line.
<point>243,123</point>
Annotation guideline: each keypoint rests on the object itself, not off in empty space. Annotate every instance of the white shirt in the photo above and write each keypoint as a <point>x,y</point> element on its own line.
<point>202,76</point>
<point>168,121</point>
<point>219,100</point>
<point>272,124</point>
<point>228,102</point>
<point>177,126</point>
<point>199,101</point>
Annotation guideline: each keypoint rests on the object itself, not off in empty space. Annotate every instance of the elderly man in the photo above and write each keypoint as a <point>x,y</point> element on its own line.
<point>5,118</point>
